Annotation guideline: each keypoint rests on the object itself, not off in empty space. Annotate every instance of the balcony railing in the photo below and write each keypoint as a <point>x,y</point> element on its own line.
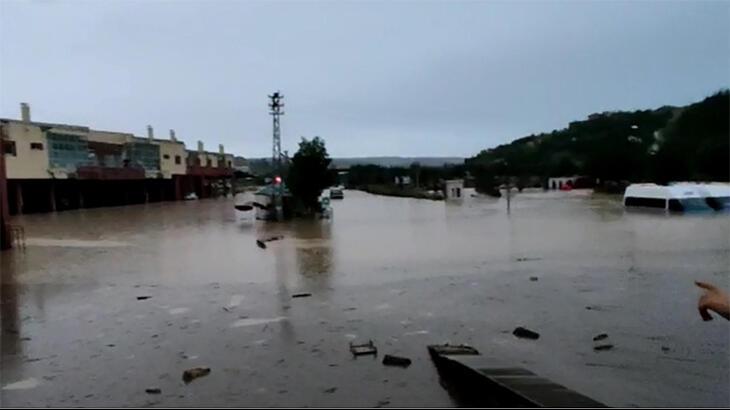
<point>109,173</point>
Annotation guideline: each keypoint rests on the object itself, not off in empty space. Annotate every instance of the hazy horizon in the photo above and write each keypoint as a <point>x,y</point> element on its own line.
<point>373,78</point>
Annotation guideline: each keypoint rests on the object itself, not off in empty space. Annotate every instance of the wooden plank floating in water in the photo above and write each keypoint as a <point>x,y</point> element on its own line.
<point>476,381</point>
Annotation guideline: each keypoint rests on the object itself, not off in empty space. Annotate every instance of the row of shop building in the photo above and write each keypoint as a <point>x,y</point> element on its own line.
<point>51,167</point>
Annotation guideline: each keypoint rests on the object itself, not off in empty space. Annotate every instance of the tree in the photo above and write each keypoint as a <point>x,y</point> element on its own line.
<point>309,174</point>
<point>485,181</point>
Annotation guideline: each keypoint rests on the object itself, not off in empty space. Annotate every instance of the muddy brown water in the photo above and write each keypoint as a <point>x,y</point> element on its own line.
<point>402,272</point>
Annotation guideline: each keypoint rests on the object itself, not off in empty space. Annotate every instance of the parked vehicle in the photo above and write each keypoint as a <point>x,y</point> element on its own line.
<point>679,197</point>
<point>337,193</point>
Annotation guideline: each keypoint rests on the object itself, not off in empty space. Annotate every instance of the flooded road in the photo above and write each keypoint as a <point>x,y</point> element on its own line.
<point>403,272</point>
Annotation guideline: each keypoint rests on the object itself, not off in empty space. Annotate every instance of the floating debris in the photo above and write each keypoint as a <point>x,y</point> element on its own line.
<point>364,349</point>
<point>261,244</point>
<point>274,238</point>
<point>301,295</point>
<point>23,384</point>
<point>254,322</point>
<point>600,337</point>
<point>143,297</point>
<point>153,390</point>
<point>390,360</point>
<point>533,278</point>
<point>417,332</point>
<point>194,373</point>
<point>382,403</point>
<point>665,349</point>
<point>331,390</point>
<point>603,347</point>
<point>521,332</point>
<point>527,259</point>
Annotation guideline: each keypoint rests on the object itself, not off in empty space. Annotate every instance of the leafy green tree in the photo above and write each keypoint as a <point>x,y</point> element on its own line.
<point>309,174</point>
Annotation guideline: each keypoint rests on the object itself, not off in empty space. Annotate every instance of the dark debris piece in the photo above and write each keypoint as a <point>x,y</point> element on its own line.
<point>603,347</point>
<point>153,390</point>
<point>390,360</point>
<point>194,373</point>
<point>301,295</point>
<point>143,297</point>
<point>521,332</point>
<point>600,337</point>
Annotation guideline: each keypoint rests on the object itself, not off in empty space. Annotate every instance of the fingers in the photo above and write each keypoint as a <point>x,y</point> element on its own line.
<point>703,305</point>
<point>705,285</point>
<point>705,314</point>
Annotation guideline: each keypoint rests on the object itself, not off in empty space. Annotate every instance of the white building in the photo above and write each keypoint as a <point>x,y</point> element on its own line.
<point>560,182</point>
<point>403,180</point>
<point>454,189</point>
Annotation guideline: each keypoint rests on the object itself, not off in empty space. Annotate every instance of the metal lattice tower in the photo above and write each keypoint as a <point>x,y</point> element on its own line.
<point>276,105</point>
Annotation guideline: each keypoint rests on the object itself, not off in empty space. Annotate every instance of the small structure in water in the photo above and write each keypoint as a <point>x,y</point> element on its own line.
<point>454,189</point>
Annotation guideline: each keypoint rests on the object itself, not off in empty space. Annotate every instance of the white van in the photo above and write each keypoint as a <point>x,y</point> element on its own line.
<point>674,197</point>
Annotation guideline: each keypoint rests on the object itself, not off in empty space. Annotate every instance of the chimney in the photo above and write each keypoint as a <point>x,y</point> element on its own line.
<point>200,147</point>
<point>172,135</point>
<point>25,112</point>
<point>150,133</point>
<point>220,149</point>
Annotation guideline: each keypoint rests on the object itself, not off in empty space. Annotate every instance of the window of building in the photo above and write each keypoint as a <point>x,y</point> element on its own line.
<point>9,148</point>
<point>177,159</point>
<point>166,156</point>
<point>209,162</point>
<point>230,164</point>
<point>36,145</point>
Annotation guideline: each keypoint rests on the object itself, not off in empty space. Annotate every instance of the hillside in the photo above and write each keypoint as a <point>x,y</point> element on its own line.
<point>667,143</point>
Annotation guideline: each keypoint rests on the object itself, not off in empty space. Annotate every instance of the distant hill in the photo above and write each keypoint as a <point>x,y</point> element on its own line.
<point>667,143</point>
<point>396,161</point>
<point>263,165</point>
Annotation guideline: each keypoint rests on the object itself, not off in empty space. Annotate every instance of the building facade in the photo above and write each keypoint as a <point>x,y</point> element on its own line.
<point>50,167</point>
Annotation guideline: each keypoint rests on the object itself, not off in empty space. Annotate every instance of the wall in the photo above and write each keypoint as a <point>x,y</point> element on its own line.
<point>228,160</point>
<point>26,163</point>
<point>168,165</point>
<point>557,183</point>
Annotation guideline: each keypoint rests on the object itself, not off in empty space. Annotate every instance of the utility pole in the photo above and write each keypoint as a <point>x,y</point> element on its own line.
<point>276,105</point>
<point>509,195</point>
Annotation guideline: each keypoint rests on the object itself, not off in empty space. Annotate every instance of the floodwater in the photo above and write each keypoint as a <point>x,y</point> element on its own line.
<point>403,273</point>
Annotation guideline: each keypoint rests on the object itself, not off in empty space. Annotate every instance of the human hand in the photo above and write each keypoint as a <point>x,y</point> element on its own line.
<point>713,299</point>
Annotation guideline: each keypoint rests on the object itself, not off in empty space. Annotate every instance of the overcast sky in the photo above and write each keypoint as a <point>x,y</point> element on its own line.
<point>372,78</point>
